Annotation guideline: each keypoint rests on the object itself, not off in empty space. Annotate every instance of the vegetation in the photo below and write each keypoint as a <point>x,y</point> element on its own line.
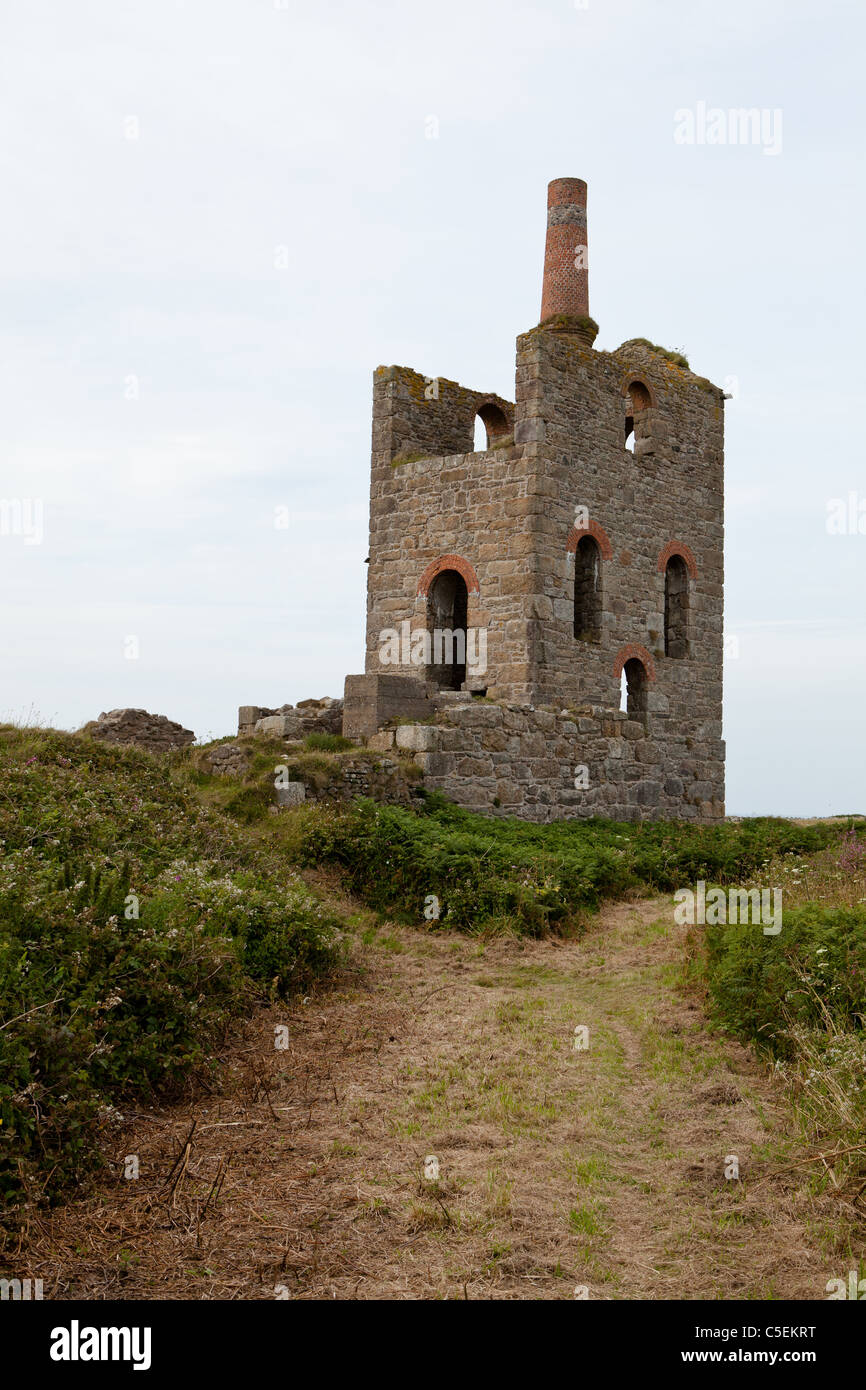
<point>571,323</point>
<point>146,903</point>
<point>410,456</point>
<point>536,878</point>
<point>800,996</point>
<point>328,743</point>
<point>678,358</point>
<point>137,923</point>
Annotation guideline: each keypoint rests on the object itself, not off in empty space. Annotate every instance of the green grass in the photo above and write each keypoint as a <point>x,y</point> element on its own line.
<point>584,1221</point>
<point>328,743</point>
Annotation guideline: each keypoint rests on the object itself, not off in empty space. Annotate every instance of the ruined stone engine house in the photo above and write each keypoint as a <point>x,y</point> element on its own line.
<point>519,595</point>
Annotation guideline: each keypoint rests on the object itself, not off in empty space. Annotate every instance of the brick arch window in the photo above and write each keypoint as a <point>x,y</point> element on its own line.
<point>591,528</point>
<point>491,425</point>
<point>639,653</point>
<point>449,562</point>
<point>681,549</point>
<point>638,397</point>
<point>679,566</point>
<point>633,692</point>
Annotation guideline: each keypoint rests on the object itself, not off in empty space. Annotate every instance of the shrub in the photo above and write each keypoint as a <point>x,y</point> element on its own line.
<point>135,925</point>
<point>96,1009</point>
<point>801,998</point>
<point>812,975</point>
<point>541,877</point>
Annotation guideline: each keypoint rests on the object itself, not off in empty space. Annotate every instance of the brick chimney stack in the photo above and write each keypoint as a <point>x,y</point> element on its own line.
<point>566,276</point>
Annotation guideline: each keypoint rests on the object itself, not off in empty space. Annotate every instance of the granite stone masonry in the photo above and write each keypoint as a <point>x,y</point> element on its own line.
<point>323,716</point>
<point>575,564</point>
<point>381,776</point>
<point>229,759</point>
<point>544,765</point>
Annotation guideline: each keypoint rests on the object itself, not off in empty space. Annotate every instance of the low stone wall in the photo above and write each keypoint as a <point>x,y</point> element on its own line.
<point>383,779</point>
<point>138,728</point>
<point>542,765</point>
<point>344,777</point>
<point>228,759</point>
<point>323,716</point>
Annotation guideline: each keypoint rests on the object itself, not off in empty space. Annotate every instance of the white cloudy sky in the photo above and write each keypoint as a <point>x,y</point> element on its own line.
<point>282,224</point>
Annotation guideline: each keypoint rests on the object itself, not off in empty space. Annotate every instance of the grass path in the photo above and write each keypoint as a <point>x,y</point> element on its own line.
<point>600,1169</point>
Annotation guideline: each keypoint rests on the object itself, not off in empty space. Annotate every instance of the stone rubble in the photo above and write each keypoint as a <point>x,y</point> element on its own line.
<point>139,729</point>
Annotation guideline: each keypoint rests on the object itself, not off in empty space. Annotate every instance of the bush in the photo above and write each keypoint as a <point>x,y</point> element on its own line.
<point>540,877</point>
<point>135,925</point>
<point>812,975</point>
<point>283,936</point>
<point>801,998</point>
<point>96,1009</point>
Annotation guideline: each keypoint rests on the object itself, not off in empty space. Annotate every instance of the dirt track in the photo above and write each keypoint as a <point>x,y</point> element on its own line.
<point>599,1169</point>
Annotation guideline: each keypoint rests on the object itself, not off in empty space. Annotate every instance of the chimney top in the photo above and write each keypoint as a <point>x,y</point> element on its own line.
<point>565,289</point>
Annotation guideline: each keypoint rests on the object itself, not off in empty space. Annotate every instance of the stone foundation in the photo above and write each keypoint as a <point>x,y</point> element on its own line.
<point>544,765</point>
<point>229,760</point>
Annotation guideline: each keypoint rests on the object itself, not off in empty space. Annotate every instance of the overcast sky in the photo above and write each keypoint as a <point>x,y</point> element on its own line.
<point>220,216</point>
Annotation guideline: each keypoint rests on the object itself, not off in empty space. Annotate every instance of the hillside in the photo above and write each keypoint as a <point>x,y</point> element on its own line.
<point>283,1017</point>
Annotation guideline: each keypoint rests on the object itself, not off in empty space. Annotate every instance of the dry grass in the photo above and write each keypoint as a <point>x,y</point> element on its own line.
<point>817,878</point>
<point>558,1168</point>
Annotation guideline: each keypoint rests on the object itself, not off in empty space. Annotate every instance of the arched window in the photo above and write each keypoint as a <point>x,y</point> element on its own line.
<point>676,607</point>
<point>491,424</point>
<point>637,399</point>
<point>587,590</point>
<point>634,672</point>
<point>447,610</point>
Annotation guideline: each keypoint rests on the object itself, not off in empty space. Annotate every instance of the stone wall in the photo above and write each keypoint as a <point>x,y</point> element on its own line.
<point>371,701</point>
<point>142,730</point>
<point>506,519</point>
<point>381,776</point>
<point>666,497</point>
<point>323,716</point>
<point>383,779</point>
<point>544,765</point>
<point>430,416</point>
<point>449,501</point>
<point>230,759</point>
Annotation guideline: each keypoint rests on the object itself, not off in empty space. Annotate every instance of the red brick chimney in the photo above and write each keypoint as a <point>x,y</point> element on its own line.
<point>566,277</point>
